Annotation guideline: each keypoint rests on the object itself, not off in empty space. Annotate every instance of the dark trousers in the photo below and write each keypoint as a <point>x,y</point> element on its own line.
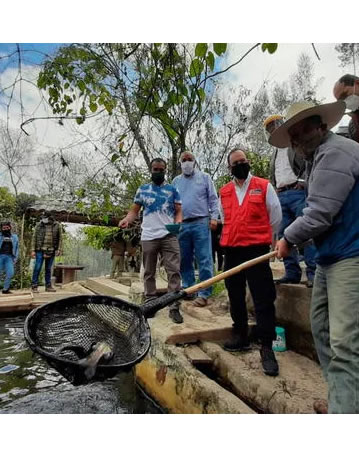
<point>262,289</point>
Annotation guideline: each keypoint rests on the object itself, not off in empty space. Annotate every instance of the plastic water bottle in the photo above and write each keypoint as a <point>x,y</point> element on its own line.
<point>279,344</point>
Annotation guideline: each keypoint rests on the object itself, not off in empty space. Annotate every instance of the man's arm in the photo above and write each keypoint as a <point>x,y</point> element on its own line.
<point>178,213</point>
<point>330,184</point>
<point>274,209</point>
<point>59,249</point>
<point>212,203</point>
<point>131,216</point>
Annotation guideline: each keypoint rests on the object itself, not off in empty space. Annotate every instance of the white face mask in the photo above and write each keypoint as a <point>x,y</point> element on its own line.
<point>187,168</point>
<point>45,220</point>
<point>352,102</point>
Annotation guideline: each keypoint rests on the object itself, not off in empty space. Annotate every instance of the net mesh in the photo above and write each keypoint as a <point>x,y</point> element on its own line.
<point>65,331</point>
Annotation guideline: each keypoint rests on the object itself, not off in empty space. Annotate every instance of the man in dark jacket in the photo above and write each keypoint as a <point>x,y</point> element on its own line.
<point>286,175</point>
<point>331,219</point>
<point>46,244</point>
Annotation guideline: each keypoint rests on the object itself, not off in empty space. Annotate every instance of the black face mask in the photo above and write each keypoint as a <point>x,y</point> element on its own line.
<point>6,232</point>
<point>158,177</point>
<point>241,170</point>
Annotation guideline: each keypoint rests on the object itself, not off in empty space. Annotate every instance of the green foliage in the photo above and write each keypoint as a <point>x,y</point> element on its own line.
<point>270,47</point>
<point>101,237</point>
<point>7,203</point>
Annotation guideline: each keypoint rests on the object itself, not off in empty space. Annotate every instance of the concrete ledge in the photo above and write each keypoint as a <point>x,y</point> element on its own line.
<point>299,383</point>
<point>168,376</point>
<point>293,314</point>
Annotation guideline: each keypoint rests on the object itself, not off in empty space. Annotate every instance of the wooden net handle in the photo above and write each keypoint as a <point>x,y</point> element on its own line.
<point>226,274</point>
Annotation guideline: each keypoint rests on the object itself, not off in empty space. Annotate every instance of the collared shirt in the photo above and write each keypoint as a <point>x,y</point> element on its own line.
<point>198,195</point>
<point>272,202</point>
<point>284,175</point>
<point>158,204</point>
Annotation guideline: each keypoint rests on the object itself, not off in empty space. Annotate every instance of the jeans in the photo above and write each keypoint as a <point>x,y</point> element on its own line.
<point>261,286</point>
<point>335,327</point>
<point>195,242</point>
<point>7,265</point>
<point>293,203</point>
<point>169,249</point>
<point>38,265</point>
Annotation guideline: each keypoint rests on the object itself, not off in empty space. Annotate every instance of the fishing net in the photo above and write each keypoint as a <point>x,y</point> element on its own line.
<point>64,331</point>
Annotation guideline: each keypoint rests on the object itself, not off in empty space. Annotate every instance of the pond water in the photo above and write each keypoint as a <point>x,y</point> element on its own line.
<point>29,385</point>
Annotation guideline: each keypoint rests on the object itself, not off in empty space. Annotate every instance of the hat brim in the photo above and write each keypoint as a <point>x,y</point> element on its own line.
<point>330,113</point>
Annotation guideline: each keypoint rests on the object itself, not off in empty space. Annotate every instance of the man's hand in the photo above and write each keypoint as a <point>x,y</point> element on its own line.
<point>213,224</point>
<point>57,253</point>
<point>33,254</point>
<point>123,223</point>
<point>283,249</point>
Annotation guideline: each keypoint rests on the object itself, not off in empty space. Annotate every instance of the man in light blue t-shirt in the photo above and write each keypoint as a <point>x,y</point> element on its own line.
<point>161,205</point>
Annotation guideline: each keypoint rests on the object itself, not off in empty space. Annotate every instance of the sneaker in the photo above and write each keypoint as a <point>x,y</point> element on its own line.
<point>269,362</point>
<point>49,289</point>
<point>237,344</point>
<point>320,406</point>
<point>176,316</point>
<point>6,291</point>
<point>286,280</point>
<point>200,302</point>
<point>35,289</point>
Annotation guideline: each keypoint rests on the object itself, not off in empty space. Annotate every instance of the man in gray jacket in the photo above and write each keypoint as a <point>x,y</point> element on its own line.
<point>286,175</point>
<point>331,219</point>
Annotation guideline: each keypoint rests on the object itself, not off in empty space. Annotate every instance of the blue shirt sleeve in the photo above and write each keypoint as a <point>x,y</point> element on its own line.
<point>138,197</point>
<point>212,199</point>
<point>177,197</point>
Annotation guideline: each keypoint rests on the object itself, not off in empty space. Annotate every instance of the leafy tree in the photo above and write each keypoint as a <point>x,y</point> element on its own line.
<point>348,53</point>
<point>7,203</point>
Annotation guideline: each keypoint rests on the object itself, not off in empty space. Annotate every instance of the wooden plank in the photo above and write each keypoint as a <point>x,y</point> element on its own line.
<point>106,287</point>
<point>197,356</point>
<point>215,334</point>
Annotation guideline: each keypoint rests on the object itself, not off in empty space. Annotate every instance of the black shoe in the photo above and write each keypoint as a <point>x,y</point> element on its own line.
<point>237,344</point>
<point>35,289</point>
<point>286,280</point>
<point>269,362</point>
<point>176,316</point>
<point>309,283</point>
<point>6,291</point>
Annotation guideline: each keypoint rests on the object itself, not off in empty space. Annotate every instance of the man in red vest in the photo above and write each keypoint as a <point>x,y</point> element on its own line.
<point>251,213</point>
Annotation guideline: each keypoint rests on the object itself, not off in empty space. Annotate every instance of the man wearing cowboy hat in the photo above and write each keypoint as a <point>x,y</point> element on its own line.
<point>331,219</point>
<point>286,175</point>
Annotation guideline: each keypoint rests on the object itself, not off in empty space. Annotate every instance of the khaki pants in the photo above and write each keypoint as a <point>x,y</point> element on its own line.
<point>117,265</point>
<point>168,247</point>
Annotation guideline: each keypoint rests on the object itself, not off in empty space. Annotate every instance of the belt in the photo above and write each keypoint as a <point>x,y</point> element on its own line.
<point>193,219</point>
<point>290,186</point>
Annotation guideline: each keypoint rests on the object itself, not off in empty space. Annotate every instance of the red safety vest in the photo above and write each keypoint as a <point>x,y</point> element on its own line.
<point>246,224</point>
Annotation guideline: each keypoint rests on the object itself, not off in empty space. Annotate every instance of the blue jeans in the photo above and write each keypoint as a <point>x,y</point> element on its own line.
<point>7,265</point>
<point>293,203</point>
<point>335,328</point>
<point>38,265</point>
<point>195,241</point>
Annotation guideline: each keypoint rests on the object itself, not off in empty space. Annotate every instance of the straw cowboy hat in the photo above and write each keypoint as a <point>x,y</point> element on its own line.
<point>330,113</point>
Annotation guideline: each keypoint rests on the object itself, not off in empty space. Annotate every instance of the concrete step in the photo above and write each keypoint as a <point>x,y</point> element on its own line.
<point>104,286</point>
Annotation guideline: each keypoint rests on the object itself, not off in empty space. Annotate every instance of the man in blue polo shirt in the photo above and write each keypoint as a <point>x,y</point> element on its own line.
<point>200,215</point>
<point>161,205</point>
